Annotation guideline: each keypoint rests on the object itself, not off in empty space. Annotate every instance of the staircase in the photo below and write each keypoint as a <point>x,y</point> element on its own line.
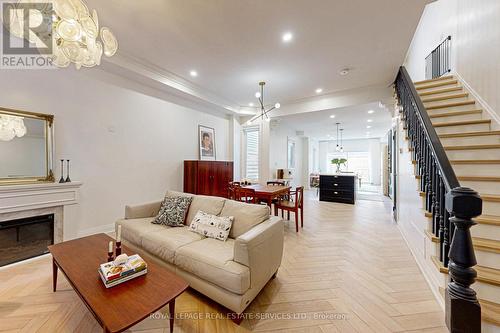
<point>472,146</point>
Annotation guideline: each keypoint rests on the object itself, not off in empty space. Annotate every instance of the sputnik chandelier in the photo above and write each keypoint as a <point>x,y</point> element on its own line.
<point>263,113</point>
<point>75,33</point>
<point>10,127</point>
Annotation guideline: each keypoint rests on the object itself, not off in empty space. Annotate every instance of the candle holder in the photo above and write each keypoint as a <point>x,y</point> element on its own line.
<point>110,257</point>
<point>118,249</point>
<point>68,180</point>
<point>62,172</point>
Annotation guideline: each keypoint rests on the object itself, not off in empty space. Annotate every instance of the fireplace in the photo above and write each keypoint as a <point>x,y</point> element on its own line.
<point>25,238</point>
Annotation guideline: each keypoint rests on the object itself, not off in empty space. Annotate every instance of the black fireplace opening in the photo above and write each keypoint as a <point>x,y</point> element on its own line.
<point>25,238</point>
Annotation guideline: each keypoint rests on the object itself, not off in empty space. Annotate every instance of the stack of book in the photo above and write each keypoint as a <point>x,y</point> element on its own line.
<point>112,275</point>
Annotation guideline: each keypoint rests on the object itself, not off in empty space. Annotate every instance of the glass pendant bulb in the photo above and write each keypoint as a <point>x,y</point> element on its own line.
<point>257,94</point>
<point>277,105</point>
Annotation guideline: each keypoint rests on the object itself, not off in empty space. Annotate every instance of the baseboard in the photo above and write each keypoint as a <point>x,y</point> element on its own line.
<point>494,116</point>
<point>97,230</point>
<point>427,278</point>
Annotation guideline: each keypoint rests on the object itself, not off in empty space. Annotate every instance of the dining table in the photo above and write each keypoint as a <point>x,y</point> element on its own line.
<point>267,193</point>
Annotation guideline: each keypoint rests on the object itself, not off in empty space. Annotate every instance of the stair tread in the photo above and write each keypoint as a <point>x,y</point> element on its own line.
<point>444,77</point>
<point>479,179</point>
<point>490,197</point>
<point>455,113</point>
<point>490,311</point>
<point>466,134</point>
<point>475,161</point>
<point>450,105</point>
<point>461,123</point>
<point>489,245</point>
<point>473,147</point>
<point>439,91</point>
<point>443,98</point>
<point>432,237</point>
<point>484,274</point>
<point>437,84</point>
<point>488,219</point>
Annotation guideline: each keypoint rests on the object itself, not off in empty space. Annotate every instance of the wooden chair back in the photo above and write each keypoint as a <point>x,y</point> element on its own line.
<point>299,197</point>
<point>231,190</point>
<point>275,183</point>
<point>245,194</point>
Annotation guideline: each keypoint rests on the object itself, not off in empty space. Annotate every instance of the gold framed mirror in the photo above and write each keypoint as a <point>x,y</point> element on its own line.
<point>26,147</point>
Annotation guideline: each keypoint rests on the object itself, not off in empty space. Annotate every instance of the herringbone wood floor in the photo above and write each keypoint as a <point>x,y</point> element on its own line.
<point>348,270</point>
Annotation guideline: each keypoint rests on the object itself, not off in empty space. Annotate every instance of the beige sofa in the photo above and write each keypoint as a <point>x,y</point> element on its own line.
<point>233,272</point>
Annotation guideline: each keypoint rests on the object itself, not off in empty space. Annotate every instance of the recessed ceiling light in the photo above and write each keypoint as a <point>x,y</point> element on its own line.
<point>193,73</point>
<point>371,111</point>
<point>368,127</point>
<point>250,104</point>
<point>370,120</point>
<point>332,116</point>
<point>287,37</point>
<point>344,71</point>
<point>319,91</point>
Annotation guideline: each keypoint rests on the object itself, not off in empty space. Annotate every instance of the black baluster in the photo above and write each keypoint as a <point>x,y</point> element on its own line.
<point>447,237</point>
<point>463,310</point>
<point>442,194</point>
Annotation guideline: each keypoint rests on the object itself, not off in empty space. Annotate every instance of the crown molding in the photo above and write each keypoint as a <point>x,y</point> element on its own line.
<point>147,73</point>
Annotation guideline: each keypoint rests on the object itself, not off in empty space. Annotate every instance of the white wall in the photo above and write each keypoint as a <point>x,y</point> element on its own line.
<point>475,30</point>
<point>127,147</point>
<point>278,154</point>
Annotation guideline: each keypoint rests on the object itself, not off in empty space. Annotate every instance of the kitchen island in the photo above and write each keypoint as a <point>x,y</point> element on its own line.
<point>338,188</point>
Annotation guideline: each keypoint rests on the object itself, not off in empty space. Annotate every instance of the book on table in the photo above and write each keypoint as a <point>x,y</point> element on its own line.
<point>112,274</point>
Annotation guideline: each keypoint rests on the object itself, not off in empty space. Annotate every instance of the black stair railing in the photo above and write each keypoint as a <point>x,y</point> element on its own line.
<point>438,62</point>
<point>453,207</point>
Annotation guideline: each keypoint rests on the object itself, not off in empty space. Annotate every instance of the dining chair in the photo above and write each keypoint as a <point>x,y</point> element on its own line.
<point>231,190</point>
<point>245,194</point>
<point>293,204</point>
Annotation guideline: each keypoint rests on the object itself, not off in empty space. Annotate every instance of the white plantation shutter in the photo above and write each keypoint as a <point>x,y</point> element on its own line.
<point>252,153</point>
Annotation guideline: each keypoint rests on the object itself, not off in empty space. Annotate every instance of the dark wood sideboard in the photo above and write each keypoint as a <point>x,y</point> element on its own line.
<point>207,177</point>
<point>337,188</point>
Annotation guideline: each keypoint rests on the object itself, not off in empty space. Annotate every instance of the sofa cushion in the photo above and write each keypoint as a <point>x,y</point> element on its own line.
<point>163,243</point>
<point>173,211</point>
<point>246,216</point>
<point>210,205</point>
<point>212,260</point>
<point>211,226</point>
<point>134,229</point>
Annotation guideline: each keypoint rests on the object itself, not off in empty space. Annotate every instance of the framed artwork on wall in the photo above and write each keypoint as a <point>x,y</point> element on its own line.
<point>206,140</point>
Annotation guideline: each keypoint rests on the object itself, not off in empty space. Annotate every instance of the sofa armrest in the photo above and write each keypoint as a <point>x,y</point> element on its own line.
<point>150,209</point>
<point>261,250</point>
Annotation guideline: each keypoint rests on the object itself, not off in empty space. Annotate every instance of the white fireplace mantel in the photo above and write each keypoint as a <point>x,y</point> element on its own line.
<point>15,198</point>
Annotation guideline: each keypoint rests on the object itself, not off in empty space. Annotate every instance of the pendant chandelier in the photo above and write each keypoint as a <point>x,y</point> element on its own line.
<point>263,113</point>
<point>341,140</point>
<point>337,148</point>
<point>76,37</point>
<point>11,127</point>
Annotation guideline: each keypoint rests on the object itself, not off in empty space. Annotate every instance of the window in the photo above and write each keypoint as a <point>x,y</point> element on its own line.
<point>251,142</point>
<point>357,162</point>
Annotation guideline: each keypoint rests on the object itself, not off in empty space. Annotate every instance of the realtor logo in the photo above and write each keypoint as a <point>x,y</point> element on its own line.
<point>26,35</point>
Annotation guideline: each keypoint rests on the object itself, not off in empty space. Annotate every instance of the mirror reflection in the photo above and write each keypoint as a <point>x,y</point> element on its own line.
<point>23,148</point>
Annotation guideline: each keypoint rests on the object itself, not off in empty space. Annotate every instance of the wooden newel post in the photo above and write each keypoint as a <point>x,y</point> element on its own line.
<point>463,312</point>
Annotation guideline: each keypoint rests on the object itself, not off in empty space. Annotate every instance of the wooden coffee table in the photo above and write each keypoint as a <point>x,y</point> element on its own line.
<point>124,305</point>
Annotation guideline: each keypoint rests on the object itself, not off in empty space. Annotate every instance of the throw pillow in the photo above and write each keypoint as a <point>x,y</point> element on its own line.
<point>211,226</point>
<point>173,211</point>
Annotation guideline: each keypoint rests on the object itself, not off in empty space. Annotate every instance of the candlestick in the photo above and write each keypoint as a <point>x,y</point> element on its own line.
<point>62,172</point>
<point>68,180</point>
<point>110,251</point>
<point>118,249</point>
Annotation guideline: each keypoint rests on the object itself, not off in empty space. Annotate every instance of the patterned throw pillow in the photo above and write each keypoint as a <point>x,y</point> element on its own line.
<point>173,211</point>
<point>211,226</point>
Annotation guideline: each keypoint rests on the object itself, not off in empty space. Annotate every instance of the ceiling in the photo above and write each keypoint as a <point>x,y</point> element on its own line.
<point>353,120</point>
<point>234,44</point>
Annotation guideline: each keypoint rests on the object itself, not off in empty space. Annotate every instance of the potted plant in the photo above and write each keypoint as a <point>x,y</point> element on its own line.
<point>339,162</point>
